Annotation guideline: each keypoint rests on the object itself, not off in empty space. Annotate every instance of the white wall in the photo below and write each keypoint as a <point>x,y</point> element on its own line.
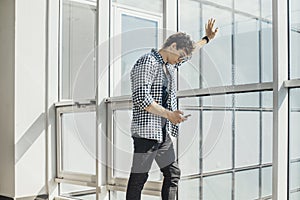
<point>25,149</point>
<point>7,54</point>
<point>30,97</point>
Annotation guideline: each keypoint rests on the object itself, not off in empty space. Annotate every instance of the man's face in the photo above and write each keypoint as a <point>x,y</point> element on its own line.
<point>176,55</point>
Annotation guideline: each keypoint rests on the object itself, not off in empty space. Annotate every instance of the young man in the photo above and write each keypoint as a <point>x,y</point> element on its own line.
<point>155,113</point>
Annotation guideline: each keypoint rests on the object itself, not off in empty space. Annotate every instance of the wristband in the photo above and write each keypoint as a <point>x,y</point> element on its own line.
<point>205,38</point>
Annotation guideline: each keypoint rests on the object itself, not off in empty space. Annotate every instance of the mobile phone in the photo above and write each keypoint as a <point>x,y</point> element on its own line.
<point>186,116</point>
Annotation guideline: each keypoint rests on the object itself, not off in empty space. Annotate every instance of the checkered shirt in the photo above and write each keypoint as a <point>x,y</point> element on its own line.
<point>146,85</point>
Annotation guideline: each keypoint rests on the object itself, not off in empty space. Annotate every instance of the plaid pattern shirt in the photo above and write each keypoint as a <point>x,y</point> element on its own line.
<point>146,85</point>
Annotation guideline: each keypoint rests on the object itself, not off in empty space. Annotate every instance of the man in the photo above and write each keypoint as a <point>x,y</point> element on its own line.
<point>155,113</point>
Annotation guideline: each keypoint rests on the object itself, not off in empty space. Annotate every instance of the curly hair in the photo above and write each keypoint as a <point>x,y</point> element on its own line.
<point>182,40</point>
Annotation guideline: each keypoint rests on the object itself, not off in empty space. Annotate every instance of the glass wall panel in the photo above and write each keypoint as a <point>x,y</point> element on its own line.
<point>246,138</point>
<point>214,66</point>
<point>294,127</point>
<point>294,39</point>
<point>266,41</point>
<point>217,140</point>
<point>189,144</point>
<point>77,64</point>
<point>189,189</point>
<point>189,73</point>
<point>247,100</point>
<point>295,174</point>
<point>295,196</point>
<point>267,137</point>
<point>266,52</point>
<point>78,142</point>
<point>226,3</point>
<point>246,50</point>
<point>217,187</point>
<point>250,7</point>
<point>266,188</point>
<point>245,59</point>
<point>217,56</point>
<point>247,184</point>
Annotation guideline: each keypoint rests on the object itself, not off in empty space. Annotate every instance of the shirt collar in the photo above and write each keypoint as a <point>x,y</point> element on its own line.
<point>157,56</point>
<point>160,59</point>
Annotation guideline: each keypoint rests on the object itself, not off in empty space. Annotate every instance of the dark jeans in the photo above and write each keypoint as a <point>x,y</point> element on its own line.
<point>145,151</point>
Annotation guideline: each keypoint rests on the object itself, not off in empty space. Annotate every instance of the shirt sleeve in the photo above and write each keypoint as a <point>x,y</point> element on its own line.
<point>142,77</point>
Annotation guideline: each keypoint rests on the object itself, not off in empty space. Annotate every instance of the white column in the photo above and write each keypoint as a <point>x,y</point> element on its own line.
<point>103,37</point>
<point>280,100</point>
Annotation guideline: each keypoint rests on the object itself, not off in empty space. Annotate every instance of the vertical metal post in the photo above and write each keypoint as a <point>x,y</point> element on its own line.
<point>280,100</point>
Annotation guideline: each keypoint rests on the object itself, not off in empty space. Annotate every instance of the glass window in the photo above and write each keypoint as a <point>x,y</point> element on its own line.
<point>227,3</point>
<point>189,73</point>
<point>246,184</point>
<point>246,50</point>
<point>247,99</point>
<point>246,59</point>
<point>189,189</point>
<point>250,7</point>
<point>135,33</point>
<point>266,52</point>
<point>294,124</point>
<point>217,140</point>
<point>217,55</point>
<point>294,39</point>
<point>295,174</point>
<point>189,144</point>
<point>246,138</point>
<point>294,127</point>
<point>77,64</point>
<point>78,142</point>
<point>266,188</point>
<point>267,137</point>
<point>214,66</point>
<point>217,187</point>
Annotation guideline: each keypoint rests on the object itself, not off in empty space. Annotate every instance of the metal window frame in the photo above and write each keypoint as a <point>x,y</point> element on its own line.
<point>73,177</point>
